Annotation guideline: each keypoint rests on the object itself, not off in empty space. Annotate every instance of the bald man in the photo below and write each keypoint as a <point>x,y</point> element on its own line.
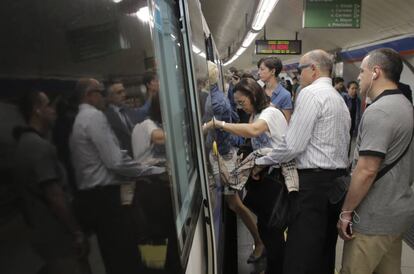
<point>103,173</point>
<point>317,137</point>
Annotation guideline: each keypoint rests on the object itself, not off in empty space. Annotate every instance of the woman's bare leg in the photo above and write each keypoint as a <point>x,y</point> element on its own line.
<point>244,213</point>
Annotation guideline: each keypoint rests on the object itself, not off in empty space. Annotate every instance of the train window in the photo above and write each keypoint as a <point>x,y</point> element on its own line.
<point>205,83</point>
<point>106,81</point>
<point>178,111</point>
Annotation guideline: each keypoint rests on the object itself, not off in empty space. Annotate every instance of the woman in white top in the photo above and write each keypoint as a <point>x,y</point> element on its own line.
<point>266,127</point>
<point>148,138</point>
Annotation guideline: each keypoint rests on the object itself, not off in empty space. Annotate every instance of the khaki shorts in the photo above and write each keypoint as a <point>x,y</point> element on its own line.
<point>366,254</point>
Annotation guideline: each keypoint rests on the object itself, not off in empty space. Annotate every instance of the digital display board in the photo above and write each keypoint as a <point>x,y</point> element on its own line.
<point>281,47</point>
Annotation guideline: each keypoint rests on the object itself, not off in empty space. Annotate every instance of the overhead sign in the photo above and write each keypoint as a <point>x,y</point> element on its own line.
<point>282,47</point>
<point>332,14</point>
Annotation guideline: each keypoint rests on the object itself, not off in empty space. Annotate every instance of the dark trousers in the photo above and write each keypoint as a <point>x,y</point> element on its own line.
<point>274,241</point>
<point>260,198</point>
<point>312,233</point>
<point>100,211</point>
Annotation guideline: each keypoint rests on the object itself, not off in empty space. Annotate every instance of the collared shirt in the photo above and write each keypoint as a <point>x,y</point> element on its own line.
<point>96,155</point>
<point>318,133</point>
<point>281,97</point>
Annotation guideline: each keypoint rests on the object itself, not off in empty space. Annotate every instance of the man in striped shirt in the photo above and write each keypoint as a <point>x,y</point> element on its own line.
<point>317,137</point>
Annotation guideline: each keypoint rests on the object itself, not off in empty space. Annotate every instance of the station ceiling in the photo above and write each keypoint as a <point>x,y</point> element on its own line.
<point>227,20</point>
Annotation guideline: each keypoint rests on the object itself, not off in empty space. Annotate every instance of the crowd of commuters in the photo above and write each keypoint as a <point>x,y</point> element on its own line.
<point>327,118</point>
<point>112,146</point>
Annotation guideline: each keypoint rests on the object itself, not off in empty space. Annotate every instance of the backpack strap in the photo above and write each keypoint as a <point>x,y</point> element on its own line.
<point>390,166</point>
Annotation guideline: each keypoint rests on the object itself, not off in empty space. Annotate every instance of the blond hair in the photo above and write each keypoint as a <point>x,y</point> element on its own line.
<point>212,73</point>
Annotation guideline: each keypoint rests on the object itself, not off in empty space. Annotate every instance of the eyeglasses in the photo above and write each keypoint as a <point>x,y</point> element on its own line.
<point>241,103</point>
<point>302,67</point>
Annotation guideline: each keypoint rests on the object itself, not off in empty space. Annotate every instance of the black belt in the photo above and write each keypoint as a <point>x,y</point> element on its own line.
<point>99,188</point>
<point>320,170</point>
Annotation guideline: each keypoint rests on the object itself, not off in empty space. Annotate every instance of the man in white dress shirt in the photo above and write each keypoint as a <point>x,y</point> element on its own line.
<point>103,175</point>
<point>317,137</point>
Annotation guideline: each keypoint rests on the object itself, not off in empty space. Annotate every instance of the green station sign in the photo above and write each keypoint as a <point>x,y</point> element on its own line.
<point>332,14</point>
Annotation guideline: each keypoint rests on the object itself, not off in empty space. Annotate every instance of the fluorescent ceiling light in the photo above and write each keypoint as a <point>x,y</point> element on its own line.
<point>143,14</point>
<point>240,51</point>
<point>228,62</point>
<point>264,9</point>
<point>249,39</point>
<point>196,50</point>
<point>231,60</point>
<point>116,1</point>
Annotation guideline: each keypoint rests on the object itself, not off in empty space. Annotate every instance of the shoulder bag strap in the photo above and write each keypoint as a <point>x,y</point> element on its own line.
<point>389,167</point>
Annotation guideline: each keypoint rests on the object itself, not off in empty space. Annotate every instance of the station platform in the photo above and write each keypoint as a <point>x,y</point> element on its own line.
<point>245,246</point>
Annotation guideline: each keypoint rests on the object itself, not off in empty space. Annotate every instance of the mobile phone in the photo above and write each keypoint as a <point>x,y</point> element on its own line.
<point>349,228</point>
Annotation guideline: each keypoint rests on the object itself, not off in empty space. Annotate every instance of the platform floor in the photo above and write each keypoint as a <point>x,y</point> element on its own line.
<point>245,243</point>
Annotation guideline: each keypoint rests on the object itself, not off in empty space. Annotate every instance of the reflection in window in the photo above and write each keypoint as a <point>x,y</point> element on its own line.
<point>93,66</point>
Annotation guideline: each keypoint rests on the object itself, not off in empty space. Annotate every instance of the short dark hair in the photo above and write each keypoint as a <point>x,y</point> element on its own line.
<point>389,61</point>
<point>272,63</point>
<point>338,80</point>
<point>237,74</point>
<point>260,61</point>
<point>108,84</point>
<point>28,102</point>
<point>250,88</point>
<point>148,77</point>
<point>233,69</point>
<point>248,75</point>
<point>352,82</point>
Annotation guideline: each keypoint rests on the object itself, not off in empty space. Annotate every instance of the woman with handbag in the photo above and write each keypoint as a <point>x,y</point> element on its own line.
<point>266,127</point>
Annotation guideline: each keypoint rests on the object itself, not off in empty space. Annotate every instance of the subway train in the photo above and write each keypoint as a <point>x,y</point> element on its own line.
<point>178,221</point>
<point>50,46</point>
